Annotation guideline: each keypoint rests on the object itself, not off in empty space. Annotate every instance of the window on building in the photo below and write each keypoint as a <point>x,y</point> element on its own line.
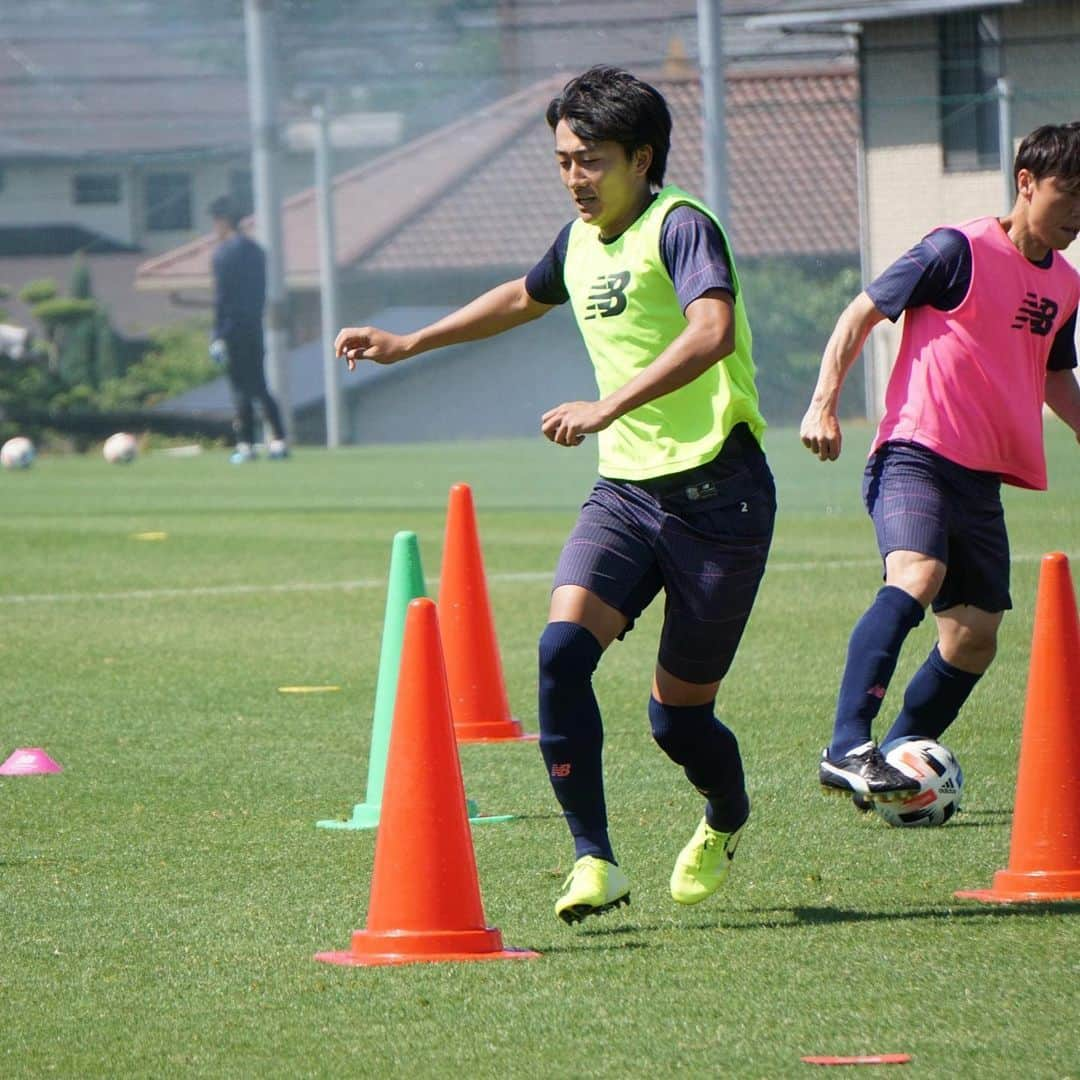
<point>970,59</point>
<point>168,201</point>
<point>240,190</point>
<point>95,188</point>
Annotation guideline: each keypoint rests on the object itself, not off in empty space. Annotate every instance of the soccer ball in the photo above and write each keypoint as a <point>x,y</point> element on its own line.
<point>120,448</point>
<point>17,453</point>
<point>937,770</point>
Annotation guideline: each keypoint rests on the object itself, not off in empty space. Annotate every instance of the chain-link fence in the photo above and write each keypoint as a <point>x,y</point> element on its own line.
<point>840,152</point>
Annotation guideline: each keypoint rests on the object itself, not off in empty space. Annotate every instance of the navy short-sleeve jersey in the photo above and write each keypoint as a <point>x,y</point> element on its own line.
<point>691,246</point>
<point>937,272</point>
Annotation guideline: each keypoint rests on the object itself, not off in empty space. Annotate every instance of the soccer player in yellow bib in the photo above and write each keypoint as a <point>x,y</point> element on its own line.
<point>685,501</point>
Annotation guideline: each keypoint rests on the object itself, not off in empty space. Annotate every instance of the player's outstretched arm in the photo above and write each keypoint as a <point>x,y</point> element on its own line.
<point>1063,396</point>
<point>708,338</point>
<point>502,308</point>
<point>820,428</point>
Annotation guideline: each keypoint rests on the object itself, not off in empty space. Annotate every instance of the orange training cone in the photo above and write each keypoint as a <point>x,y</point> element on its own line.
<point>473,669</point>
<point>425,898</point>
<point>1044,854</point>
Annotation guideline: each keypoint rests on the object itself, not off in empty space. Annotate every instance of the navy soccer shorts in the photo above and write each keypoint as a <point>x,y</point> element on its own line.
<point>705,544</point>
<point>920,501</point>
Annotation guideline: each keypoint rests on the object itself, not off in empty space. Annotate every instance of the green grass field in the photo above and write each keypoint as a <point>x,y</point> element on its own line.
<point>161,900</point>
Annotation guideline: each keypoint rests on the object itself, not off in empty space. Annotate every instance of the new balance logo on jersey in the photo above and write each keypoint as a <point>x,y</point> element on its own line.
<point>607,297</point>
<point>1036,313</point>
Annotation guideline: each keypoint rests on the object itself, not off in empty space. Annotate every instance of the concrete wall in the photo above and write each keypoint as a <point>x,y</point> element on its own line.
<point>908,190</point>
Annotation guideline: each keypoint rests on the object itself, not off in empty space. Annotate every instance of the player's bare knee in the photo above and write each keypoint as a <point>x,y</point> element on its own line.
<point>970,648</point>
<point>668,689</point>
<point>920,577</point>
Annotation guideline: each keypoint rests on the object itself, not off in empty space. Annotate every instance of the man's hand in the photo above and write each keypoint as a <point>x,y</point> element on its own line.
<point>369,343</point>
<point>569,423</point>
<point>820,432</point>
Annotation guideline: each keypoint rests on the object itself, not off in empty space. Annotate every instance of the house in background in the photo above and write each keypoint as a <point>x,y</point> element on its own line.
<point>118,139</point>
<point>439,220</point>
<point>932,117</point>
<point>541,39</point>
<point>115,147</point>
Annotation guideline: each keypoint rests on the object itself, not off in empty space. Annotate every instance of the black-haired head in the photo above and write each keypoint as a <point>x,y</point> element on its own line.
<point>606,104</point>
<point>1050,150</point>
<point>224,209</point>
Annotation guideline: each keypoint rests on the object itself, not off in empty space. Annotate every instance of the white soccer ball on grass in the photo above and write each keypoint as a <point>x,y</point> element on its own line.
<point>941,782</point>
<point>120,448</point>
<point>17,453</point>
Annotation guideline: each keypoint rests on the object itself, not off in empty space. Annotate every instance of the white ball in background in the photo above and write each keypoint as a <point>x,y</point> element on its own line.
<point>17,453</point>
<point>120,448</point>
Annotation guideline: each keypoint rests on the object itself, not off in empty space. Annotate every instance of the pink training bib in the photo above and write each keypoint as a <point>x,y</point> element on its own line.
<point>969,383</point>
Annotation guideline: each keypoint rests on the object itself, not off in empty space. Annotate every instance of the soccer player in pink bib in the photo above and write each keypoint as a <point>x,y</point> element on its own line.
<point>989,337</point>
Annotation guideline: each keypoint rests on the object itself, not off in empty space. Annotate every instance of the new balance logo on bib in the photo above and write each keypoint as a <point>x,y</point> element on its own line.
<point>1037,313</point>
<point>607,297</point>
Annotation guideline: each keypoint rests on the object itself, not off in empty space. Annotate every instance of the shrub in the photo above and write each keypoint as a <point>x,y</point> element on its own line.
<point>35,292</point>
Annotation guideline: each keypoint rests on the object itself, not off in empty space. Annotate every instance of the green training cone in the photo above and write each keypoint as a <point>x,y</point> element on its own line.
<point>406,583</point>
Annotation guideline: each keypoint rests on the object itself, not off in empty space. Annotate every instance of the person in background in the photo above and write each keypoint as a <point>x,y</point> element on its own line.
<point>239,266</point>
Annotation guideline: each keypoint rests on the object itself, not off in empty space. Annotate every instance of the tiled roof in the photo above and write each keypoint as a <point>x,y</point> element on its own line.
<point>484,192</point>
<point>809,14</point>
<point>65,99</point>
<point>373,200</point>
<point>567,36</point>
<point>792,175</point>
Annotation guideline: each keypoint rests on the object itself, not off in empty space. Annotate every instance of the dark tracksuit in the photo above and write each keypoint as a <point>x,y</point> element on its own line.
<point>239,298</point>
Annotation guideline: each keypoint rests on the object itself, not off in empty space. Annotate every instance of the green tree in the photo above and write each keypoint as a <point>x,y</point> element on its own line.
<point>68,324</point>
<point>105,348</point>
<point>36,292</point>
<point>176,361</point>
<point>79,284</point>
<point>25,387</point>
<point>792,312</point>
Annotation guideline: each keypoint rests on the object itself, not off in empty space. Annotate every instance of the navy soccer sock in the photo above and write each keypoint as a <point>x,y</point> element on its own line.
<point>572,735</point>
<point>709,753</point>
<point>933,699</point>
<point>873,649</point>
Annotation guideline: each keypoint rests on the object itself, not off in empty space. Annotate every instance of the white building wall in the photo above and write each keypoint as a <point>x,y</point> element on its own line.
<point>1041,57</point>
<point>43,193</point>
<point>908,190</point>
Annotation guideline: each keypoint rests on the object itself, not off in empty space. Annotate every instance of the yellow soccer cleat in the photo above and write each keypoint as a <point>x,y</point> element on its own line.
<point>703,865</point>
<point>593,887</point>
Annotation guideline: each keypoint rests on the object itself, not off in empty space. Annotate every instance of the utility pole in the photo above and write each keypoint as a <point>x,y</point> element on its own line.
<point>1005,141</point>
<point>714,126</point>
<point>262,97</point>
<point>328,293</point>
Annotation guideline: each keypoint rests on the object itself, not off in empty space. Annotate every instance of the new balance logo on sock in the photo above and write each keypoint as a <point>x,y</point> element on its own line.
<point>561,769</point>
<point>877,691</point>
